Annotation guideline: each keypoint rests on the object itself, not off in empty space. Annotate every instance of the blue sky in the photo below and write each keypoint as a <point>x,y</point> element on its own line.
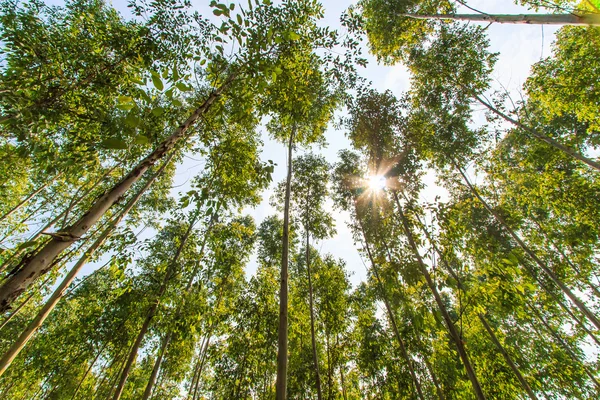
<point>519,46</point>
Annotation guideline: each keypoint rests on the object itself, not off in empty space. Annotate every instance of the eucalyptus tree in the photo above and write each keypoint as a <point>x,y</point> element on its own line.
<point>308,194</point>
<point>259,53</point>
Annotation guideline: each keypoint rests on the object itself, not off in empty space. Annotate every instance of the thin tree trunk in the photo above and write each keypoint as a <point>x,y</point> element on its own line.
<point>450,325</point>
<point>483,320</point>
<point>151,313</point>
<point>507,358</point>
<point>16,311</point>
<point>311,308</point>
<point>41,263</point>
<point>435,380</point>
<point>564,345</point>
<point>528,19</point>
<point>392,318</point>
<point>282,340</point>
<point>582,307</point>
<point>26,199</point>
<point>159,358</point>
<point>51,303</point>
<point>88,370</point>
<point>593,287</point>
<point>552,142</point>
<point>169,335</point>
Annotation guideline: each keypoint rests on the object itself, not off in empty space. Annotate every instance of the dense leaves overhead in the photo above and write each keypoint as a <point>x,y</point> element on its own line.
<point>134,159</point>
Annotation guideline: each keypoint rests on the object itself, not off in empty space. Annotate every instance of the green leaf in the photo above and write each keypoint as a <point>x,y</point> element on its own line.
<point>125,99</point>
<point>177,103</point>
<point>132,120</point>
<point>158,111</point>
<point>141,139</point>
<point>126,106</point>
<point>114,144</point>
<point>239,19</point>
<point>183,87</point>
<point>294,36</point>
<point>157,82</point>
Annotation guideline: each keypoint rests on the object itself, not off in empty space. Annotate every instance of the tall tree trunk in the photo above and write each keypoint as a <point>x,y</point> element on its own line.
<point>528,19</point>
<point>311,308</point>
<point>157,363</point>
<point>546,139</point>
<point>169,335</point>
<point>29,197</point>
<point>88,370</point>
<point>481,317</point>
<point>507,358</point>
<point>51,303</point>
<point>41,263</point>
<point>435,380</point>
<point>450,325</point>
<point>582,307</point>
<point>152,312</point>
<point>388,307</point>
<point>564,345</point>
<point>282,340</point>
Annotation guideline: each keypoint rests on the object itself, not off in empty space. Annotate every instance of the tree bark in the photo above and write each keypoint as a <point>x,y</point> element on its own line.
<point>161,353</point>
<point>151,313</point>
<point>311,308</point>
<point>528,19</point>
<point>41,263</point>
<point>388,307</point>
<point>51,303</point>
<point>450,325</point>
<point>169,335</point>
<point>483,320</point>
<point>282,340</point>
<point>582,307</point>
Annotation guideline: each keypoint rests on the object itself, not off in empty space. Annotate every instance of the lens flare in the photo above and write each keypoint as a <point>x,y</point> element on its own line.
<point>376,182</point>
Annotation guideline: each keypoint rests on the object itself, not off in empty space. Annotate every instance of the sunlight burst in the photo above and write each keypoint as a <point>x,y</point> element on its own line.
<point>376,182</point>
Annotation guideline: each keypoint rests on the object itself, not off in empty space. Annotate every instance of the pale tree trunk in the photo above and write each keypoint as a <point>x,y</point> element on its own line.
<point>48,225</point>
<point>527,19</point>
<point>51,303</point>
<point>546,139</point>
<point>311,307</point>
<point>157,363</point>
<point>450,325</point>
<point>483,320</point>
<point>151,313</point>
<point>582,307</point>
<point>41,263</point>
<point>390,312</point>
<point>282,341</point>
<point>88,371</point>
<point>167,339</point>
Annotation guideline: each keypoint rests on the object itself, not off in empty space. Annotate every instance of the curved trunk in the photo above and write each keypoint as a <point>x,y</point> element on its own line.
<point>51,303</point>
<point>582,307</point>
<point>528,19</point>
<point>41,263</point>
<point>282,340</point>
<point>450,325</point>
